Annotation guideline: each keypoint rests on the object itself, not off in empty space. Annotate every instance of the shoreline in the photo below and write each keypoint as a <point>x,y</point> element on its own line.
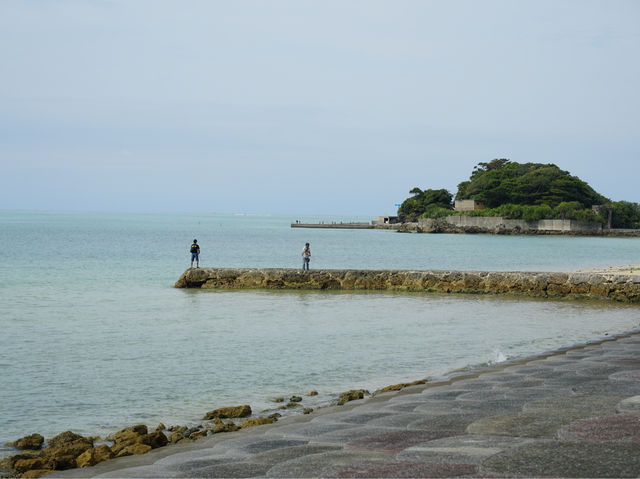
<point>450,379</point>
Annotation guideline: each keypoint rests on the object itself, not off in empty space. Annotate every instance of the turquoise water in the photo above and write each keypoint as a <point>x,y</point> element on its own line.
<point>94,338</point>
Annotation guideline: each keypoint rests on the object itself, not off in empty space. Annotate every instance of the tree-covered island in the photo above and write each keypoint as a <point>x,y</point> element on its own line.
<point>527,191</point>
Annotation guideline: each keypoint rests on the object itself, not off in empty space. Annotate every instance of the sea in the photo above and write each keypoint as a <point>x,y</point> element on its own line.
<point>94,338</point>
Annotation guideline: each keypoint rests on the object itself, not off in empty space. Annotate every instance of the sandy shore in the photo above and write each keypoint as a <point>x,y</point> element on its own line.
<point>631,269</point>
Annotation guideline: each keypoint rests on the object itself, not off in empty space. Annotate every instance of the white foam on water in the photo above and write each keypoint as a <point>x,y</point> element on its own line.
<point>497,357</point>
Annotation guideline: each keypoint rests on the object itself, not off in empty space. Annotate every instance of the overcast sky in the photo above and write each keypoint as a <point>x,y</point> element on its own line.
<point>309,107</point>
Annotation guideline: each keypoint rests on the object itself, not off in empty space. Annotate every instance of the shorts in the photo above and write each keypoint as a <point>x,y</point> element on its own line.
<point>194,256</point>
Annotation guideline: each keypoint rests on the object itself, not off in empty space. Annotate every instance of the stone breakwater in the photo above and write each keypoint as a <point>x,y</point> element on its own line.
<point>620,286</point>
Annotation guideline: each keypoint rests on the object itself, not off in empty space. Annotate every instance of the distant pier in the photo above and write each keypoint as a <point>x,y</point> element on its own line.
<point>354,225</point>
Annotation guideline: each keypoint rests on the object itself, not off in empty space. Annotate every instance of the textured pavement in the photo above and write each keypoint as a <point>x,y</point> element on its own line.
<point>572,414</point>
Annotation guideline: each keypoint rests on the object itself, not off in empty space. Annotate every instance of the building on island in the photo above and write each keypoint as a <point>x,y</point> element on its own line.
<point>385,220</point>
<point>468,205</point>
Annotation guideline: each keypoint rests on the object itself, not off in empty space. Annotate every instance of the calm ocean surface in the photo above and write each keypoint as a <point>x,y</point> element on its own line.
<point>94,338</point>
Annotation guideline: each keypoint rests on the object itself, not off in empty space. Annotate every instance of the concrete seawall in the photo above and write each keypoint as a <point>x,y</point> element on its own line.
<point>502,226</point>
<point>618,286</point>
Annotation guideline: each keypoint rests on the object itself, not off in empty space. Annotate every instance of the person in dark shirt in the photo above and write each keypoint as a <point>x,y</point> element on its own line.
<point>306,256</point>
<point>195,253</point>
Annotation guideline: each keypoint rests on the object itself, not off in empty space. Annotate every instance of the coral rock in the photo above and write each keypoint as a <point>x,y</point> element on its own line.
<point>35,473</point>
<point>133,450</point>
<point>154,439</point>
<point>63,455</point>
<point>398,387</point>
<point>228,427</point>
<point>137,435</point>
<point>32,442</point>
<point>258,421</point>
<point>63,462</point>
<point>64,438</point>
<point>93,456</point>
<point>129,432</point>
<point>229,412</point>
<point>198,434</point>
<point>23,465</point>
<point>351,395</point>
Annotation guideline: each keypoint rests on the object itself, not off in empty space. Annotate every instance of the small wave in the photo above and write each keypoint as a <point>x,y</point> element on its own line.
<point>497,356</point>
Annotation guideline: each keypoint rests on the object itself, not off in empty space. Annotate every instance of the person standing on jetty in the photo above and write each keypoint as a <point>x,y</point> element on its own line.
<point>195,253</point>
<point>306,257</point>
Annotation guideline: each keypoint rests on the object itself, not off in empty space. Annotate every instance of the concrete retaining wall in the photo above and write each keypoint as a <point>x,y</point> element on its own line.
<point>622,287</point>
<point>493,224</point>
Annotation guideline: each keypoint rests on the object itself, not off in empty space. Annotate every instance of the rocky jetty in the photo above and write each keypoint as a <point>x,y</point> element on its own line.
<point>618,285</point>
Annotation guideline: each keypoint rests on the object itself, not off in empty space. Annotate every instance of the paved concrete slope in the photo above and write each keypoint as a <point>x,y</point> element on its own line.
<point>619,285</point>
<point>572,414</point>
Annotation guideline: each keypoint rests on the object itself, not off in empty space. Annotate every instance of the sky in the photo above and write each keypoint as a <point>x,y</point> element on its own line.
<point>311,107</point>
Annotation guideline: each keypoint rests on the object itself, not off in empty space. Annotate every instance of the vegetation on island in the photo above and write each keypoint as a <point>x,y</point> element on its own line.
<point>528,191</point>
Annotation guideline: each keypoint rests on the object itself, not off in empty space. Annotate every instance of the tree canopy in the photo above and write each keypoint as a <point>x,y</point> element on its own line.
<point>502,182</point>
<point>423,201</point>
<point>625,214</point>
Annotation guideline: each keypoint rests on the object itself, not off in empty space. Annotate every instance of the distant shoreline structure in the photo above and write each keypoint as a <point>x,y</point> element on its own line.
<point>478,225</point>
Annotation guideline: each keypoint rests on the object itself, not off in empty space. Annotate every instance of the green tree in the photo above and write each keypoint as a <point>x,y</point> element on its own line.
<point>494,164</point>
<point>462,190</point>
<point>567,210</point>
<point>417,205</point>
<point>625,214</point>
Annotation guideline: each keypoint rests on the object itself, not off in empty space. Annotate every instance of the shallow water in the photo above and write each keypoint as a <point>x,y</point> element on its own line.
<point>94,338</point>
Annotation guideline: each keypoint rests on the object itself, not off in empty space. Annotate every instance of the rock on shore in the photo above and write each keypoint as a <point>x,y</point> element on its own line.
<point>619,286</point>
<point>32,442</point>
<point>229,412</point>
<point>69,450</point>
